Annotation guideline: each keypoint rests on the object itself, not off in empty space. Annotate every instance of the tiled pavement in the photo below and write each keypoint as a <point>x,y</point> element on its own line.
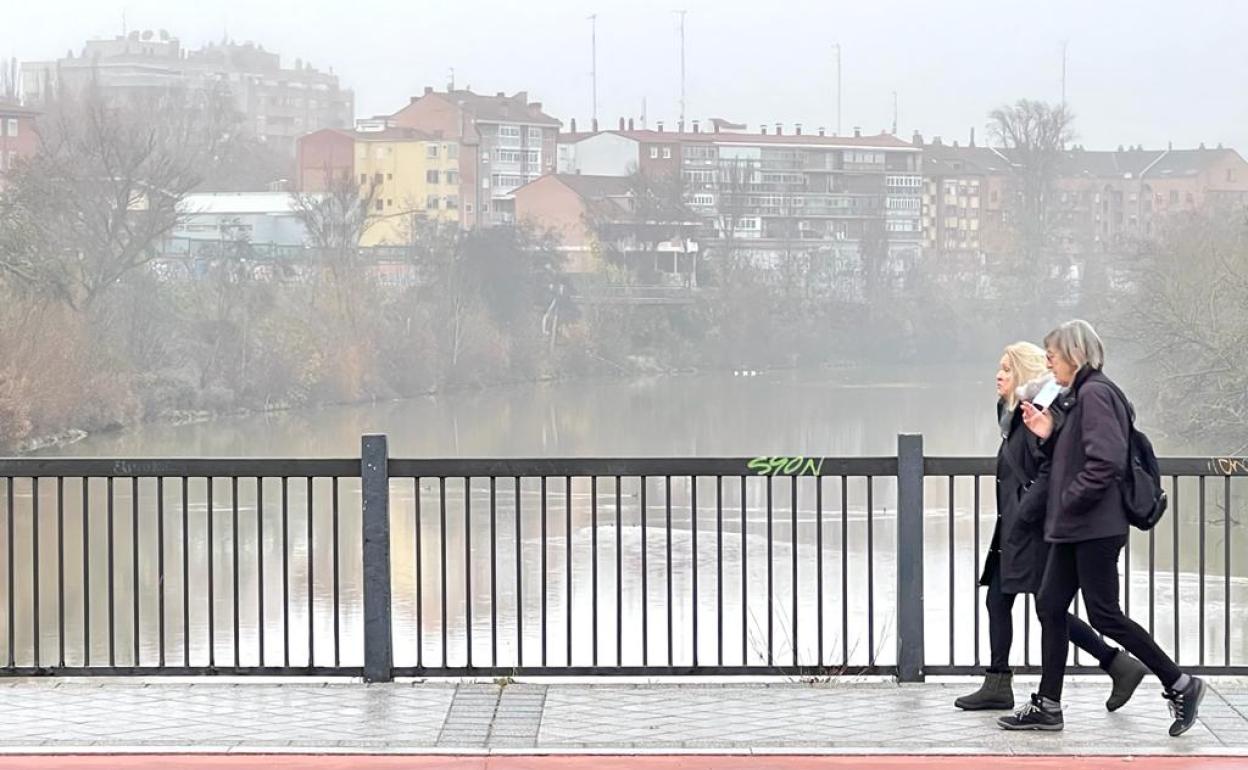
<point>876,718</point>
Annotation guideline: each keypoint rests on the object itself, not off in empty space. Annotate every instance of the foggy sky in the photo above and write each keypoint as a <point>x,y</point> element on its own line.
<point>1138,71</point>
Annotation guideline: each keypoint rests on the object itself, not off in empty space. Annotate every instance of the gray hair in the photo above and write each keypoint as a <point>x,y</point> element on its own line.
<point>1079,343</point>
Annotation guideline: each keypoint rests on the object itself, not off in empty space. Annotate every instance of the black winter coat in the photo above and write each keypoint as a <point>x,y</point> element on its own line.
<point>1018,549</point>
<point>1089,459</point>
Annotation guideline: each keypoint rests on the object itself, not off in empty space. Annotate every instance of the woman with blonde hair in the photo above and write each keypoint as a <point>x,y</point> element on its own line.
<point>1016,557</point>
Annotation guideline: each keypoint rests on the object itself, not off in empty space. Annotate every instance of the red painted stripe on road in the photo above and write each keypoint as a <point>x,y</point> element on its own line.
<point>595,762</point>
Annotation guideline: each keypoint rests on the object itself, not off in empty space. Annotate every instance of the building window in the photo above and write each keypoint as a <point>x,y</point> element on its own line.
<point>379,204</point>
<point>452,151</point>
<point>509,136</point>
<point>507,156</point>
<point>431,202</point>
<point>452,177</point>
<point>389,202</point>
<point>377,178</point>
<point>667,153</point>
<point>431,151</point>
<point>363,178</point>
<point>452,201</point>
<point>431,176</point>
<point>12,126</point>
<point>389,177</point>
<point>535,134</point>
<point>1174,196</point>
<point>654,153</point>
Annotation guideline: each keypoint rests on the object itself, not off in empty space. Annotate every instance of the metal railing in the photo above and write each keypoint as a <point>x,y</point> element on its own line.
<point>382,567</point>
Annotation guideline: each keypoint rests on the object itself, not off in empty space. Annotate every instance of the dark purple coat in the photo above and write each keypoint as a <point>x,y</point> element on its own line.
<point>1088,460</point>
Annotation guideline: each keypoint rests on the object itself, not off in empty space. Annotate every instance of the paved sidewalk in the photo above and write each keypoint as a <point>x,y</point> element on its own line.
<point>855,718</point>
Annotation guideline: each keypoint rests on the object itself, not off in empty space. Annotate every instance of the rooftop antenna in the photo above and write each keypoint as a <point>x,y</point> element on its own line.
<point>837,48</point>
<point>1064,44</point>
<point>682,66</point>
<point>894,113</point>
<point>593,72</point>
<point>452,83</point>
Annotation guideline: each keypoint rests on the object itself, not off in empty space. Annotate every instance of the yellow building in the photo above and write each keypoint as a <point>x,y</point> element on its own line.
<point>408,174</point>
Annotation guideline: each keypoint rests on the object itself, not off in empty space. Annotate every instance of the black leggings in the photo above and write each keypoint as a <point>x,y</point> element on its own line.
<point>1001,630</point>
<point>1090,567</point>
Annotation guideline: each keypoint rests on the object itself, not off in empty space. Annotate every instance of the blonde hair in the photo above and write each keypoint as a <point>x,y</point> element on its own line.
<point>1078,343</point>
<point>1027,362</point>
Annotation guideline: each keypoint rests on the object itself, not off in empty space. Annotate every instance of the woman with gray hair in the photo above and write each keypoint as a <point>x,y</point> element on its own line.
<point>1086,526</point>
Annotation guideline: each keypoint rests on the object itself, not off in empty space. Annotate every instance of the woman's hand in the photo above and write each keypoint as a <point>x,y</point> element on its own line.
<point>1038,421</point>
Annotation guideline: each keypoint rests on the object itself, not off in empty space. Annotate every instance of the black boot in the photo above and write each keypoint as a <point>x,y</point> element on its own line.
<point>1184,705</point>
<point>1034,715</point>
<point>1127,673</point>
<point>997,692</point>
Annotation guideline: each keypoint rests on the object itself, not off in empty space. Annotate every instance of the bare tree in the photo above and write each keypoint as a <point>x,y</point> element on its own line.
<point>336,222</point>
<point>1187,317</point>
<point>104,187</point>
<point>1035,135</point>
<point>655,213</point>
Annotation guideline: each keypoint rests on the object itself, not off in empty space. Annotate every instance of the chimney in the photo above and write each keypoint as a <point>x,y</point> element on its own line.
<point>822,131</point>
<point>1169,146</point>
<point>917,139</point>
<point>857,132</point>
<point>660,126</point>
<point>414,99</point>
<point>501,94</point>
<point>695,126</point>
<point>1202,145</point>
<point>972,142</point>
<point>797,129</point>
<point>763,129</point>
<point>593,124</point>
<point>779,129</point>
<point>630,124</point>
<point>522,97</point>
<point>621,122</point>
<point>936,142</point>
<point>573,127</point>
<point>535,107</point>
<point>428,90</point>
<point>680,126</point>
<point>955,142</point>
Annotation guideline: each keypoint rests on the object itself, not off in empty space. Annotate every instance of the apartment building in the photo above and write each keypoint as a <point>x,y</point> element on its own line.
<point>507,142</point>
<point>278,104</point>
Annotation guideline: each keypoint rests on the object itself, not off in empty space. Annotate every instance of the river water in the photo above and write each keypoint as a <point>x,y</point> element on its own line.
<point>623,601</point>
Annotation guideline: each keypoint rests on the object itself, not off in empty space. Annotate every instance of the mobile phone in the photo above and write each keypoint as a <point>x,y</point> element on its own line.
<point>1047,395</point>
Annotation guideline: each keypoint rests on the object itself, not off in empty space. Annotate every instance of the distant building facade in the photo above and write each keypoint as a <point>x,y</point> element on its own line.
<point>18,140</point>
<point>278,104</point>
<point>506,142</point>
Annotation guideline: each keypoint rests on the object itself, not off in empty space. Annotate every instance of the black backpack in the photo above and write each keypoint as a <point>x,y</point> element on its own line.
<point>1143,499</point>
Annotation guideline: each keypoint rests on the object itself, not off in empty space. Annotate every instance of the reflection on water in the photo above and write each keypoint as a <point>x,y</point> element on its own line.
<point>257,592</point>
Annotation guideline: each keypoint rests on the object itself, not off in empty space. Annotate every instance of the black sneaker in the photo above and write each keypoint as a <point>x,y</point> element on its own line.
<point>1033,716</point>
<point>1184,705</point>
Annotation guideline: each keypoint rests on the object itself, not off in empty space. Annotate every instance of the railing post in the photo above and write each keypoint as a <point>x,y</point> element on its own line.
<point>910,656</point>
<point>375,491</point>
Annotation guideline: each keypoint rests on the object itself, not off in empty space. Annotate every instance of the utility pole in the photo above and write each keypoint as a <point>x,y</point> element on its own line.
<point>682,69</point>
<point>593,72</point>
<point>837,47</point>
